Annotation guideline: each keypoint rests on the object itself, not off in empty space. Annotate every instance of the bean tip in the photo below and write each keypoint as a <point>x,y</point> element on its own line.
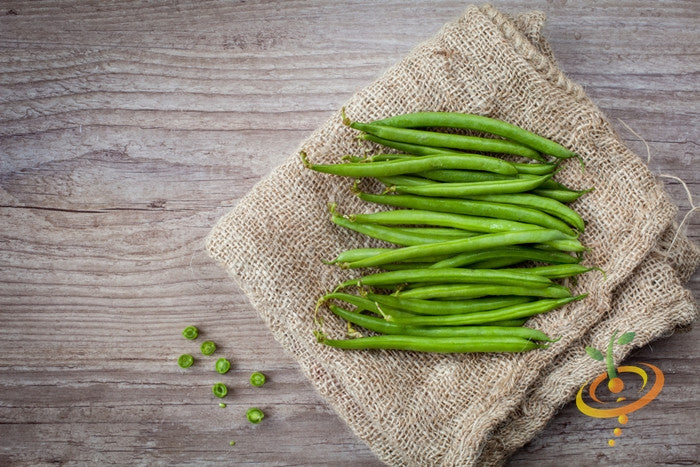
<point>305,159</point>
<point>346,120</point>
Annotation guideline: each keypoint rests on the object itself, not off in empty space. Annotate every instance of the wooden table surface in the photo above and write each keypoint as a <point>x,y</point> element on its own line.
<point>127,129</point>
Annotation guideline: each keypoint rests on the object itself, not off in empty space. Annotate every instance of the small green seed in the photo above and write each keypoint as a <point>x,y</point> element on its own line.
<point>190,332</point>
<point>219,390</point>
<point>208,347</point>
<point>185,360</point>
<point>222,405</point>
<point>254,415</point>
<point>257,379</point>
<point>231,443</point>
<point>222,366</point>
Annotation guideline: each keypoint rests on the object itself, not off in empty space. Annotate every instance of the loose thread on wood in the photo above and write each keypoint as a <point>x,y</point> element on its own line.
<point>693,207</point>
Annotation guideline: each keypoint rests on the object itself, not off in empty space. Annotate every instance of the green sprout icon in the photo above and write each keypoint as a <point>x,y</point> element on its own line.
<point>615,384</point>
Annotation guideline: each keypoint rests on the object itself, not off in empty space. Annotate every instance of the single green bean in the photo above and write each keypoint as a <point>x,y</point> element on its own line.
<point>478,123</point>
<point>414,165</point>
<point>452,275</point>
<point>445,307</point>
<point>556,271</point>
<point>404,180</point>
<point>471,207</point>
<point>446,140</point>
<point>464,291</point>
<point>384,327</point>
<point>434,344</point>
<point>497,263</point>
<point>562,195</point>
<point>463,176</point>
<point>355,254</point>
<point>523,310</point>
<point>548,205</point>
<point>442,219</point>
<point>519,253</point>
<point>478,190</point>
<point>451,247</point>
<point>397,235</point>
<point>509,322</point>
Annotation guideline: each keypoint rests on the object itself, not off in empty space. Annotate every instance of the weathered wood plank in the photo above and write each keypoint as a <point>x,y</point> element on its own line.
<point>127,129</point>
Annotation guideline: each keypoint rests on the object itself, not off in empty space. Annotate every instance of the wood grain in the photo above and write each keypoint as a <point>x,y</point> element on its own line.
<point>127,129</point>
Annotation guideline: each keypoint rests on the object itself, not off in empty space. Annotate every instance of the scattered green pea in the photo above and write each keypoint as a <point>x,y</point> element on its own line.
<point>208,347</point>
<point>231,443</point>
<point>257,379</point>
<point>254,415</point>
<point>219,390</point>
<point>222,365</point>
<point>222,405</point>
<point>185,361</point>
<point>190,332</point>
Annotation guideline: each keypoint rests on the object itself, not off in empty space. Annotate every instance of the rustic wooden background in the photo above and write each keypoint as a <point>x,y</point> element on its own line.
<point>127,129</point>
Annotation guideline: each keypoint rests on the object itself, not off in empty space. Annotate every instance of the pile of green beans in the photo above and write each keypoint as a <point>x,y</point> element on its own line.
<point>479,241</point>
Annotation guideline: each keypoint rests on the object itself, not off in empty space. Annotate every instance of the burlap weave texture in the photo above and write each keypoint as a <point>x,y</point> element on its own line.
<point>419,409</point>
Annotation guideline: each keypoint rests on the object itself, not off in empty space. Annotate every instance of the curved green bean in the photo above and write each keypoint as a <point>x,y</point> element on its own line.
<point>471,207</point>
<point>445,140</point>
<point>449,247</point>
<point>445,307</point>
<point>468,291</point>
<point>452,275</point>
<point>382,326</point>
<point>520,253</point>
<point>482,190</point>
<point>478,123</point>
<point>395,235</point>
<point>523,310</point>
<point>434,344</point>
<point>413,165</point>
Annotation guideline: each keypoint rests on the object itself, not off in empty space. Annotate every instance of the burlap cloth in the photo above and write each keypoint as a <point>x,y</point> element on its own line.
<point>432,409</point>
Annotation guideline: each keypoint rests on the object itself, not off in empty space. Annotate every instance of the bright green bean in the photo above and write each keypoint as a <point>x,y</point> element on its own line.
<point>520,253</point>
<point>414,165</point>
<point>450,247</point>
<point>478,190</point>
<point>523,310</point>
<point>355,254</point>
<point>478,123</point>
<point>445,307</point>
<point>562,195</point>
<point>548,205</point>
<point>382,326</point>
<point>471,207</point>
<point>445,140</point>
<point>397,235</point>
<point>557,271</point>
<point>464,291</point>
<point>452,275</point>
<point>464,176</point>
<point>434,344</point>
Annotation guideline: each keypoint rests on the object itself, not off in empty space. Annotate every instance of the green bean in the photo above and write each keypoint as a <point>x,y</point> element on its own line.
<point>474,189</point>
<point>445,140</point>
<point>414,165</point>
<point>398,236</point>
<point>548,205</point>
<point>478,123</point>
<point>509,322</point>
<point>557,271</point>
<point>561,195</point>
<point>451,275</point>
<point>497,263</point>
<point>464,291</point>
<point>355,254</point>
<point>520,253</point>
<point>384,327</point>
<point>449,247</point>
<point>445,307</point>
<point>442,219</point>
<point>434,344</point>
<point>404,180</point>
<point>522,310</point>
<point>471,207</point>
<point>464,176</point>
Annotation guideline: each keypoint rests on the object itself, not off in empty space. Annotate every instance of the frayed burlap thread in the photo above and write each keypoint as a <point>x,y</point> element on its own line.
<point>433,409</point>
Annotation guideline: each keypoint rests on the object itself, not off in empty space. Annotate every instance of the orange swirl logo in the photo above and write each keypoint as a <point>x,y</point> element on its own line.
<point>621,406</point>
